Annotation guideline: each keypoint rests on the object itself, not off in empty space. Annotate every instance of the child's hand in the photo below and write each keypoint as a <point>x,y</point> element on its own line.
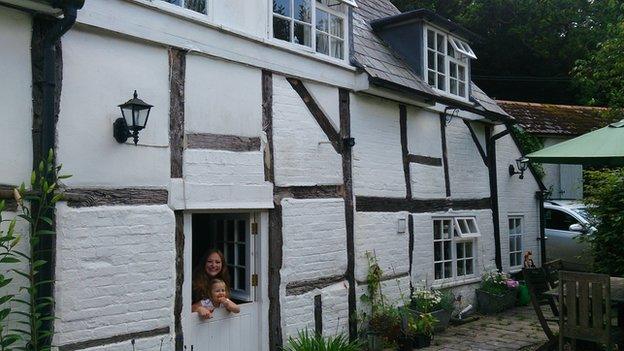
<point>204,312</point>
<point>231,306</point>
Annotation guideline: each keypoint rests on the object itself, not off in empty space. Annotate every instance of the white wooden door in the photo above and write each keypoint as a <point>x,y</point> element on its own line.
<point>225,330</point>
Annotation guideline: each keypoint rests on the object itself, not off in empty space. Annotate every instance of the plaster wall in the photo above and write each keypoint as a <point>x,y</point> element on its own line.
<point>564,181</point>
<point>99,73</point>
<point>376,233</point>
<point>314,235</point>
<point>516,198</point>
<point>222,97</point>
<point>115,271</point>
<point>15,97</point>
<point>328,100</point>
<point>377,155</point>
<point>160,343</point>
<point>243,15</point>
<point>303,154</point>
<point>468,174</point>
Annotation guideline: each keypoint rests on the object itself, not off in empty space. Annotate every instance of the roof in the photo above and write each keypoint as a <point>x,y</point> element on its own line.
<point>424,14</point>
<point>565,120</point>
<point>383,65</point>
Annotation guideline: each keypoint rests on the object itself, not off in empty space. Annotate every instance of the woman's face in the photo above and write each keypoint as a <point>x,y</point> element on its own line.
<point>218,292</point>
<point>213,264</point>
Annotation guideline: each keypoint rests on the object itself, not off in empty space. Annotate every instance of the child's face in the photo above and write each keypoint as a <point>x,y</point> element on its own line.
<point>218,292</point>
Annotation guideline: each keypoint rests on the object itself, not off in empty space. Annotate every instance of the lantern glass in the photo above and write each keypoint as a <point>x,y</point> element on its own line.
<point>135,112</point>
<point>522,164</point>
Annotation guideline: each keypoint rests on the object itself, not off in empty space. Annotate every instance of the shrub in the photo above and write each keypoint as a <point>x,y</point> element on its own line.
<point>429,300</point>
<point>497,283</point>
<point>306,341</point>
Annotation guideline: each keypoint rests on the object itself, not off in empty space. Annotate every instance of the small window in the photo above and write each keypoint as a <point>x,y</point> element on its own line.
<point>200,6</point>
<point>454,255</point>
<point>516,231</point>
<point>446,63</point>
<point>462,47</point>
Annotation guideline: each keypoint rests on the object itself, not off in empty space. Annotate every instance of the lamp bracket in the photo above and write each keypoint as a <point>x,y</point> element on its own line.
<point>120,130</point>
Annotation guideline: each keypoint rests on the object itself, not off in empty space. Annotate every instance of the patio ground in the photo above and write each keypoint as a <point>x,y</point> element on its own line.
<point>515,329</point>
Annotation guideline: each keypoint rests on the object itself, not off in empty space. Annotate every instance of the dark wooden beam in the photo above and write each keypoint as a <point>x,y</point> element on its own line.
<point>387,277</point>
<point>477,142</point>
<point>222,142</point>
<point>425,160</point>
<point>447,178</point>
<point>179,263</point>
<point>405,151</point>
<point>275,220</point>
<point>304,286</point>
<point>491,152</point>
<point>309,192</point>
<point>318,315</point>
<point>89,197</point>
<point>114,339</point>
<point>386,204</point>
<point>177,73</point>
<point>318,114</point>
<point>344,108</point>
<point>410,231</point>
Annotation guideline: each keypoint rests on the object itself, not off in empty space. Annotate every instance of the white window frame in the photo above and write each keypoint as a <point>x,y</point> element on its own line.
<point>181,4</point>
<point>343,15</point>
<point>470,230</point>
<point>455,239</point>
<point>517,236</point>
<point>464,62</point>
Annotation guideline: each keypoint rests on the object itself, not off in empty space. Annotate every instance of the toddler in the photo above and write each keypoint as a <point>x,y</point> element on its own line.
<point>218,297</point>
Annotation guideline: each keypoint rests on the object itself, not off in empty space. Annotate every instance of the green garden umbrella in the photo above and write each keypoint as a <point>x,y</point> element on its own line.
<point>602,147</point>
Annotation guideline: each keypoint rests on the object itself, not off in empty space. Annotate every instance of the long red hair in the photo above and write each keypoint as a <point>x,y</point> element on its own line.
<point>201,279</point>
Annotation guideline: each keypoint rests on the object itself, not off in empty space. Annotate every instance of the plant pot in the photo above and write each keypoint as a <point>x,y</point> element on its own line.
<point>443,317</point>
<point>490,303</point>
<point>374,341</point>
<point>421,340</point>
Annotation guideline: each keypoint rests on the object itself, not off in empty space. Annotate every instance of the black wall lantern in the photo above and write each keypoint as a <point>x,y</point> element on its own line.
<point>135,113</point>
<point>522,163</point>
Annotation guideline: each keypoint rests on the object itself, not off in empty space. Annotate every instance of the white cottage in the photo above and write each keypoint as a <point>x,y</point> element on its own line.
<point>295,135</point>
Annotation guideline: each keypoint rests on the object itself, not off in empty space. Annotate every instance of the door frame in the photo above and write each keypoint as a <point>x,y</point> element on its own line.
<point>262,269</point>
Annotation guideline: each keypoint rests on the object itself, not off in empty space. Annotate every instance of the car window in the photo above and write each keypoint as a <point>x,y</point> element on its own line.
<point>558,220</point>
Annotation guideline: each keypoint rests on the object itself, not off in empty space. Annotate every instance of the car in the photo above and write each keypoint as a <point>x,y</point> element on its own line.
<point>565,222</point>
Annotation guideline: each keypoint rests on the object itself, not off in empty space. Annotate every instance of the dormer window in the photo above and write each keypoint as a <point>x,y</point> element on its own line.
<point>194,5</point>
<point>319,25</point>
<point>446,62</point>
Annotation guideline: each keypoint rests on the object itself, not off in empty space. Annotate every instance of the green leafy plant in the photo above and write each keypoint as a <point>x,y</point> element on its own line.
<point>8,257</point>
<point>605,202</point>
<point>429,300</point>
<point>529,143</point>
<point>307,341</point>
<point>497,283</point>
<point>373,283</point>
<point>421,325</point>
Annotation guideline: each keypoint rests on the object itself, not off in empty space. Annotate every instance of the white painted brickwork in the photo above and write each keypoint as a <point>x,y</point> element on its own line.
<point>395,291</point>
<point>517,197</point>
<point>376,232</point>
<point>423,132</point>
<point>115,271</point>
<point>315,239</point>
<point>468,174</point>
<point>147,344</point>
<point>377,156</point>
<point>303,153</point>
<point>298,311</point>
<point>427,181</point>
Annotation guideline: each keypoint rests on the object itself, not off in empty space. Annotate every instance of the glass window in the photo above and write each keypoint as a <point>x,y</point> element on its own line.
<point>453,256</point>
<point>195,5</point>
<point>447,63</point>
<point>516,231</point>
<point>316,24</point>
<point>558,220</point>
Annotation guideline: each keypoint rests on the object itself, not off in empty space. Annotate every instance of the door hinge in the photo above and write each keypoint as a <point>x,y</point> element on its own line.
<point>254,228</point>
<point>254,280</point>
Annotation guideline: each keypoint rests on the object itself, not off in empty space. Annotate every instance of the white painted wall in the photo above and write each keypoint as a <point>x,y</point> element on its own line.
<point>242,15</point>
<point>15,97</point>
<point>327,98</point>
<point>377,155</point>
<point>164,343</point>
<point>303,154</point>
<point>99,73</point>
<point>564,181</point>
<point>115,271</point>
<point>468,174</point>
<point>222,97</point>
<point>516,197</point>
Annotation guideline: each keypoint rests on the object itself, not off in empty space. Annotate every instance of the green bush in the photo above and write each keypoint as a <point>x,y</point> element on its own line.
<point>604,197</point>
<point>306,341</point>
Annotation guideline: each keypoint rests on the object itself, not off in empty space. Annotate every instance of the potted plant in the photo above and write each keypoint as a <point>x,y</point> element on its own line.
<point>497,292</point>
<point>385,324</point>
<point>438,303</point>
<point>418,331</point>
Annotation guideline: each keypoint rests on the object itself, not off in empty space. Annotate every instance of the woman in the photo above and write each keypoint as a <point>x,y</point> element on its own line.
<point>213,268</point>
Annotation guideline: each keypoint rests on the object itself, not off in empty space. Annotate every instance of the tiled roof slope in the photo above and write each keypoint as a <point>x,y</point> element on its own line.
<point>380,62</point>
<point>555,119</point>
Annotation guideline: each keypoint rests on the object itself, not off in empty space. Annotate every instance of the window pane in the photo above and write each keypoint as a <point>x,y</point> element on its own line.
<point>196,5</point>
<point>512,226</point>
<point>441,84</point>
<point>430,39</point>
<point>440,45</point>
<point>446,229</point>
<point>336,26</point>
<point>322,43</point>
<point>448,269</point>
<point>431,76</point>
<point>519,243</point>
<point>453,86</point>
<point>438,271</point>
<point>241,231</point>
<point>229,254</point>
<point>337,49</point>
<point>462,89</point>
<point>431,57</point>
<point>242,279</point>
<point>518,256</point>
<point>302,34</point>
<point>230,230</point>
<point>322,21</point>
<point>449,50</point>
<point>437,251</point>
<point>462,73</point>
<point>453,69</point>
<point>302,11</point>
<point>441,67</point>
<point>242,255</point>
<point>437,230</point>
<point>447,250</point>
<point>512,259</point>
<point>512,243</point>
<point>468,249</point>
<point>282,7</point>
<point>460,250</point>
<point>281,28</point>
<point>460,268</point>
<point>469,266</point>
<point>463,225</point>
<point>472,225</point>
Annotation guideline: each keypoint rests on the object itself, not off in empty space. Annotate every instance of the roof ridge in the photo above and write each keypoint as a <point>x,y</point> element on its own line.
<point>549,104</point>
